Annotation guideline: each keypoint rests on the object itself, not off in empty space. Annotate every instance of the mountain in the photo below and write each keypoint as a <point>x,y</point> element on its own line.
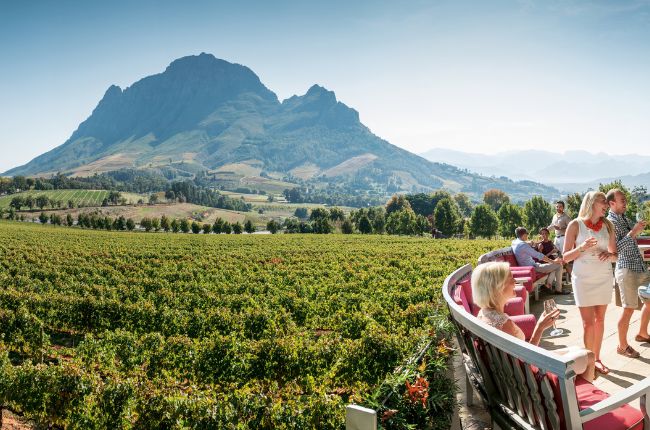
<point>569,169</point>
<point>206,114</point>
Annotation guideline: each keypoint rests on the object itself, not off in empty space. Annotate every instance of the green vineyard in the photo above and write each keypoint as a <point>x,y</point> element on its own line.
<point>130,330</point>
<point>78,197</point>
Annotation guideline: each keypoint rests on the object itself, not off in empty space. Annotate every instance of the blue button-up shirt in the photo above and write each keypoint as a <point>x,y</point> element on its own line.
<point>524,253</point>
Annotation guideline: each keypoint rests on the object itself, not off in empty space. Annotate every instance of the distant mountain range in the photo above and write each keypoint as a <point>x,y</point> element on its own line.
<point>568,171</point>
<point>206,114</point>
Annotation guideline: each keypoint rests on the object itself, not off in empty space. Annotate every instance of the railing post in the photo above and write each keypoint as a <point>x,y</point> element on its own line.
<point>360,418</point>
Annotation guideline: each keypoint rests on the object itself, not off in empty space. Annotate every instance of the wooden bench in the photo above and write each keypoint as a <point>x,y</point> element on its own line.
<point>526,387</point>
<point>525,275</point>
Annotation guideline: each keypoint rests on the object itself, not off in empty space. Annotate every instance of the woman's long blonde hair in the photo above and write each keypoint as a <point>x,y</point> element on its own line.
<point>488,280</point>
<point>587,208</point>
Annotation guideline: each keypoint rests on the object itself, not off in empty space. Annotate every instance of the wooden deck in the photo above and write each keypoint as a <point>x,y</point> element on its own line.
<point>624,371</point>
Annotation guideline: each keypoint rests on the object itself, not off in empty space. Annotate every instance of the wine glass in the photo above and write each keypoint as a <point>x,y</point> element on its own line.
<point>550,306</point>
<point>640,215</point>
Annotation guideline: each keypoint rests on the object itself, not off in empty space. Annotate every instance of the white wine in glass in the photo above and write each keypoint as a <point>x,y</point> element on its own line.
<point>550,306</point>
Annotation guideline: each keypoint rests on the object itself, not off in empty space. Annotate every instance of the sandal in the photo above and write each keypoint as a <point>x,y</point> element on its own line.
<point>628,352</point>
<point>600,367</point>
<point>642,339</point>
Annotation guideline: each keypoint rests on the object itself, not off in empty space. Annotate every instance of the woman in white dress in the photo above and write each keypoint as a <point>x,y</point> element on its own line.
<point>590,242</point>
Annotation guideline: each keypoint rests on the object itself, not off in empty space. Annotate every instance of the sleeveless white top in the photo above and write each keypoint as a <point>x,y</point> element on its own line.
<point>592,279</point>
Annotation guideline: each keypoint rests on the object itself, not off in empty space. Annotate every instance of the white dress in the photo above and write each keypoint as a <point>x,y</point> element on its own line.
<point>593,280</point>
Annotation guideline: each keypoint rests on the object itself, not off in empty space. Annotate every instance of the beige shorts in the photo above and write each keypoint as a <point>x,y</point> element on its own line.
<point>629,283</point>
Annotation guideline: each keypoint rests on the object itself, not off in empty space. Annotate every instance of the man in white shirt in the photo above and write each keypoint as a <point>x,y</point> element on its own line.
<point>559,224</point>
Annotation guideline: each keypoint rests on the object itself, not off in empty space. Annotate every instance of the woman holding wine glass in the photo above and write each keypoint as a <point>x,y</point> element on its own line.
<point>590,243</point>
<point>492,285</point>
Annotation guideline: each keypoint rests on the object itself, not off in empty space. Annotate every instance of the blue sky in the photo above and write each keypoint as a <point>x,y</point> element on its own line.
<point>478,76</point>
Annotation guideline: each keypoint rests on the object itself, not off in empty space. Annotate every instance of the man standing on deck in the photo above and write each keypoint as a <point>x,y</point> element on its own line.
<point>559,224</point>
<point>631,274</point>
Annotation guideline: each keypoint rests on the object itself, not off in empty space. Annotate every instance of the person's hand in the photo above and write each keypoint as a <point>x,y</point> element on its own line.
<point>546,319</point>
<point>605,256</point>
<point>589,243</point>
<point>558,260</point>
<point>638,228</point>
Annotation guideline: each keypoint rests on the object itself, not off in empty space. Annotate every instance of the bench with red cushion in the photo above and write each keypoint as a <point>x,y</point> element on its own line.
<point>527,387</point>
<point>514,307</point>
<point>530,278</point>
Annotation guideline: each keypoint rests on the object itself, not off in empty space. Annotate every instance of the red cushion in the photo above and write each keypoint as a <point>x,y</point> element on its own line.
<point>514,306</point>
<point>625,417</point>
<point>526,323</point>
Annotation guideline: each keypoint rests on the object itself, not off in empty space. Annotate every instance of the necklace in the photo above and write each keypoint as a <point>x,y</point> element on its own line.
<point>595,227</point>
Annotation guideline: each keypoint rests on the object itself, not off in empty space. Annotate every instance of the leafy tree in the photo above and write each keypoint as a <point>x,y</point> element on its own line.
<point>41,201</point>
<point>446,217</point>
<point>155,224</point>
<point>573,202</point>
<point>170,195</point>
<point>510,217</point>
<point>347,227</point>
<point>43,218</point>
<point>464,204</point>
<point>55,219</point>
<point>69,221</point>
<point>483,222</point>
<point>538,213</point>
<point>119,223</point>
<point>207,228</point>
<point>272,226</point>
<point>397,203</point>
<point>423,224</point>
<point>29,202</point>
<point>337,214</point>
<point>495,198</point>
<point>237,228</point>
<point>175,225</point>
<point>301,213</point>
<point>226,227</point>
<point>402,222</point>
<point>17,202</point>
<point>425,204</point>
<point>153,199</point>
<point>70,204</point>
<point>196,227</point>
<point>364,225</point>
<point>108,223</point>
<point>249,227</point>
<point>145,223</point>
<point>185,225</point>
<point>217,227</point>
<point>164,223</point>
<point>293,195</point>
<point>130,224</point>
<point>319,213</point>
<point>322,225</point>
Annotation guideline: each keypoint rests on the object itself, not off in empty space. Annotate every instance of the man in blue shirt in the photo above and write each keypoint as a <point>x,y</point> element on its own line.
<point>526,256</point>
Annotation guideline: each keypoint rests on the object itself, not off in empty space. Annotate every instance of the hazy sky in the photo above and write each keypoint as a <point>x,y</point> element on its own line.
<point>478,76</point>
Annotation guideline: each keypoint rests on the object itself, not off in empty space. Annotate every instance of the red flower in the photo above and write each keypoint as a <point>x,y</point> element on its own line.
<point>419,391</point>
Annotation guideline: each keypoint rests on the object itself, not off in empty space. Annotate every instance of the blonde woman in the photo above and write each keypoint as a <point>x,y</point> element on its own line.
<point>492,286</point>
<point>590,242</point>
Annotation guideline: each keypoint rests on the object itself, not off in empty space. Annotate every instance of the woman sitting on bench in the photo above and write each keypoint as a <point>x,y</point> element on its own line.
<point>492,286</point>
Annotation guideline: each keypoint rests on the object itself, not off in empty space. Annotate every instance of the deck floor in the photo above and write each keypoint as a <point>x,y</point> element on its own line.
<point>624,371</point>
